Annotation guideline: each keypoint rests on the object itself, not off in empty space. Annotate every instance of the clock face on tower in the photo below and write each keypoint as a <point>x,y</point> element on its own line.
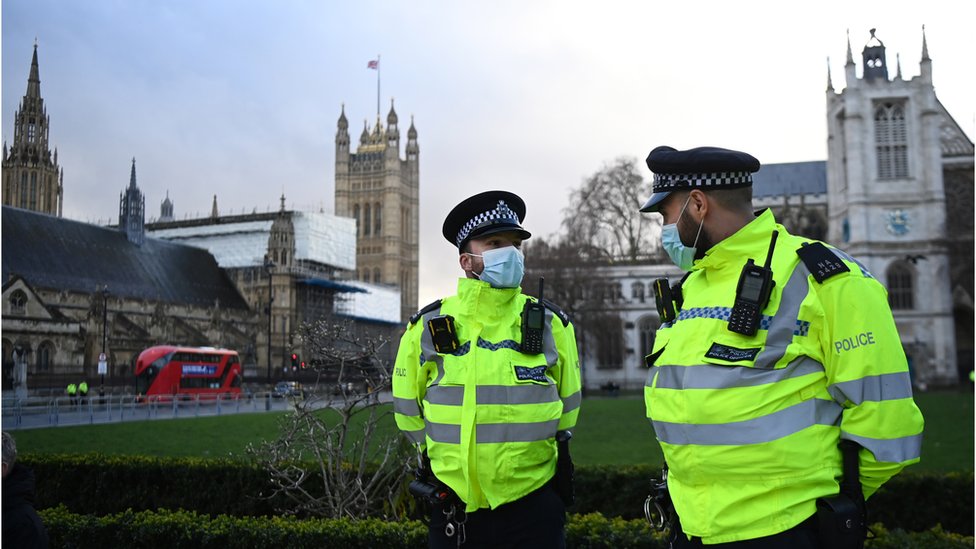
<point>897,222</point>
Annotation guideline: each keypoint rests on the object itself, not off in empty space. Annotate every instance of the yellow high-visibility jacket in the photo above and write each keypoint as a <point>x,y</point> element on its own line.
<point>749,425</point>
<point>487,413</point>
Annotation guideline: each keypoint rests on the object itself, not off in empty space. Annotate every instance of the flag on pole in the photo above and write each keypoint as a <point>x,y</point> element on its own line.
<point>373,64</point>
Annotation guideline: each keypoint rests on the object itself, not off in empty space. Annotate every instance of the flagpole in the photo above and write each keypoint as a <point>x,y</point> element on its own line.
<point>379,67</point>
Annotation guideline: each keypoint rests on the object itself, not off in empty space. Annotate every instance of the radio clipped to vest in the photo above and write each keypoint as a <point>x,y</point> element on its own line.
<point>752,294</point>
<point>443,334</point>
<point>664,300</point>
<point>533,323</point>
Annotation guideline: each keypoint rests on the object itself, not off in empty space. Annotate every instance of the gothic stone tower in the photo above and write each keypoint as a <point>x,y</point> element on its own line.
<point>894,155</point>
<point>132,211</point>
<point>382,192</point>
<point>32,179</point>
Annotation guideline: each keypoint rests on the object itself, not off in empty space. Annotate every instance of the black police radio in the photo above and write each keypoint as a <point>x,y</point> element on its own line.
<point>752,294</point>
<point>533,323</point>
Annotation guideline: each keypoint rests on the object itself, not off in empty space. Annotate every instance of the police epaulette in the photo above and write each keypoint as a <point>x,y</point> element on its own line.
<point>428,308</point>
<point>821,261</point>
<point>563,315</point>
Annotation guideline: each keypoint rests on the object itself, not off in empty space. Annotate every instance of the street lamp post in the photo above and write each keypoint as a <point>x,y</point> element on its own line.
<point>268,265</point>
<point>104,324</point>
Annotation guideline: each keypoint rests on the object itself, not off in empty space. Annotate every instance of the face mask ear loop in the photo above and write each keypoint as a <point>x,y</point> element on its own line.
<point>700,225</point>
<point>476,275</point>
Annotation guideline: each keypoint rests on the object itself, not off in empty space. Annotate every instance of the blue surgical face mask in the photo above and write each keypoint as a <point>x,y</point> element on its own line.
<point>682,256</point>
<point>504,267</point>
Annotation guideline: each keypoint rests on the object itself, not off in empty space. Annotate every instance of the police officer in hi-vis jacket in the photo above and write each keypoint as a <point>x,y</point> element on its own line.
<point>483,381</point>
<point>778,357</point>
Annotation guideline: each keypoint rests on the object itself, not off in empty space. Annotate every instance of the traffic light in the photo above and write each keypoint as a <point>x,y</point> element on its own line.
<point>303,365</point>
<point>294,360</point>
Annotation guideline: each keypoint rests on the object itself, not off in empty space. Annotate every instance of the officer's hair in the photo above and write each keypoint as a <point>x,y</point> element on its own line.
<point>733,199</point>
<point>9,449</point>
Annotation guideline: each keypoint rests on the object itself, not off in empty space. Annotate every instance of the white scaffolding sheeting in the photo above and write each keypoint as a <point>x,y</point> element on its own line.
<point>325,238</point>
<point>321,238</point>
<point>233,244</point>
<point>376,303</point>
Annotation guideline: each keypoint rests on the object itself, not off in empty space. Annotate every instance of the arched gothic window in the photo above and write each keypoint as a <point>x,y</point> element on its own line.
<point>45,356</point>
<point>901,286</point>
<point>355,213</point>
<point>18,302</point>
<point>378,217</point>
<point>891,140</point>
<point>366,220</point>
<point>646,328</point>
<point>376,276</point>
<point>637,291</point>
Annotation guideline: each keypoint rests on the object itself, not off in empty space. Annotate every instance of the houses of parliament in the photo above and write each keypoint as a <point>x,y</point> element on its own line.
<point>248,282</point>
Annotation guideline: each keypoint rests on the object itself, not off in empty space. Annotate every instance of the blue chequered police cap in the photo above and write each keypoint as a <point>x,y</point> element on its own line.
<point>700,168</point>
<point>484,214</point>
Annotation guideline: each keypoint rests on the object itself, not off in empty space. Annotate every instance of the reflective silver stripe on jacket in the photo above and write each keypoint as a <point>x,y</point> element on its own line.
<point>453,395</point>
<point>710,376</point>
<point>406,407</point>
<point>572,402</point>
<point>892,450</point>
<point>443,432</point>
<point>783,324</point>
<point>416,437</point>
<point>491,433</point>
<point>753,431</point>
<point>894,386</point>
<point>516,432</point>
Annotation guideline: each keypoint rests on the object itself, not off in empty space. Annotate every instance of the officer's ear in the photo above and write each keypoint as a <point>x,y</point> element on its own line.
<point>698,203</point>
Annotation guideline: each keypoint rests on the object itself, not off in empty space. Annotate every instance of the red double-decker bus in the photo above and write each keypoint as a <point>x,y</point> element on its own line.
<point>173,370</point>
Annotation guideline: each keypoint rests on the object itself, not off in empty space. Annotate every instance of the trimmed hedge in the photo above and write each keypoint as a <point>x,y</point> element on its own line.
<point>104,485</point>
<point>176,529</point>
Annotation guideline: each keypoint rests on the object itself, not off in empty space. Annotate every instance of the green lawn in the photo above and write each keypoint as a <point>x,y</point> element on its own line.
<point>611,431</point>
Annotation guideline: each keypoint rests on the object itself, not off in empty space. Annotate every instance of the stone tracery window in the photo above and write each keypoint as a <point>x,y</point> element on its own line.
<point>891,140</point>
<point>901,284</point>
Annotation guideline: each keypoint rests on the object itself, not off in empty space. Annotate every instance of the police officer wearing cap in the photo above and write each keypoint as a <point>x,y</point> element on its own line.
<point>778,388</point>
<point>482,389</point>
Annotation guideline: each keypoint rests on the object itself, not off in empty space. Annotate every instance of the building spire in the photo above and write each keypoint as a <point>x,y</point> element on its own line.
<point>213,211</point>
<point>34,80</point>
<point>925,46</point>
<point>830,82</point>
<point>132,176</point>
<point>898,66</point>
<point>850,54</point>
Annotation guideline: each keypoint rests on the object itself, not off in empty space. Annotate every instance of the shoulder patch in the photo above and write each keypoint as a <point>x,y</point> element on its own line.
<point>821,261</point>
<point>563,315</point>
<point>428,308</point>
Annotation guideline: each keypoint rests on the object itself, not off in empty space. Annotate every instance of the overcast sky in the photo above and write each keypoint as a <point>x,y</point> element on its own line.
<point>240,98</point>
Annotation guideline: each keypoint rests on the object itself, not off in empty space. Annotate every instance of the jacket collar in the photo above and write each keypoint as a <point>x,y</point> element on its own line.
<point>751,240</point>
<point>480,298</point>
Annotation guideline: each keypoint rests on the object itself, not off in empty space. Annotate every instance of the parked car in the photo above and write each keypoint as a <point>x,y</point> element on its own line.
<point>288,389</point>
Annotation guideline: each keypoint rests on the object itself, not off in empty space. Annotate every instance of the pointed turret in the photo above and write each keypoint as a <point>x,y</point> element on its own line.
<point>898,67</point>
<point>364,138</point>
<point>925,66</point>
<point>132,210</point>
<point>830,82</point>
<point>213,210</point>
<point>34,80</point>
<point>132,175</point>
<point>392,133</point>
<point>166,209</point>
<point>412,148</point>
<point>849,69</point>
